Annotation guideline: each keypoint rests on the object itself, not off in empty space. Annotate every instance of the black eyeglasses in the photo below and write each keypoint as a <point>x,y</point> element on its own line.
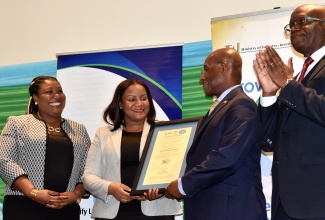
<point>299,23</point>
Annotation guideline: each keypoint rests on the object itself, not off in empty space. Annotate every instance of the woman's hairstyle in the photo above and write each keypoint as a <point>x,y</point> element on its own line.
<point>33,90</point>
<point>116,114</point>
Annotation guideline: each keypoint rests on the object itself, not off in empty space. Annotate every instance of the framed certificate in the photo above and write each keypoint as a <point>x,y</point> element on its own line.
<point>163,157</point>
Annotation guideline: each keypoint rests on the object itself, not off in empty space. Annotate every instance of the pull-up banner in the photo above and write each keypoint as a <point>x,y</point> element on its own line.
<point>251,32</point>
<point>89,80</point>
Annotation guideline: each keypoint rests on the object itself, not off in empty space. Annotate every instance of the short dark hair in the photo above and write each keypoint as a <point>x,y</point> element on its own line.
<point>116,114</point>
<point>33,90</point>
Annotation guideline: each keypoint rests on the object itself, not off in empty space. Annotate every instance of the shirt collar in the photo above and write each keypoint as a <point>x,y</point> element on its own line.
<point>226,93</point>
<point>317,55</point>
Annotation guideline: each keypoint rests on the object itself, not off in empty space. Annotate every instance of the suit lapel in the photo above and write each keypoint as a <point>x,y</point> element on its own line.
<point>313,72</point>
<point>116,139</point>
<point>220,106</point>
<point>311,75</point>
<point>146,129</point>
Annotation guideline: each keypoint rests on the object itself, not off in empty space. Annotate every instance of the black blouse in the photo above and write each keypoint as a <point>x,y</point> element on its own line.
<point>58,163</point>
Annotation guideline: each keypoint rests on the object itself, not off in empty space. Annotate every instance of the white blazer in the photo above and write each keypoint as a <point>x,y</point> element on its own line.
<point>103,168</point>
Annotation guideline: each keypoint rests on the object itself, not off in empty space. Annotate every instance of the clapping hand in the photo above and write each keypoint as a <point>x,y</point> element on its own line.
<point>271,72</point>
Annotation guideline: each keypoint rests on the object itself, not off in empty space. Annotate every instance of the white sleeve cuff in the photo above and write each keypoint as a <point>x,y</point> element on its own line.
<point>268,101</point>
<point>180,187</point>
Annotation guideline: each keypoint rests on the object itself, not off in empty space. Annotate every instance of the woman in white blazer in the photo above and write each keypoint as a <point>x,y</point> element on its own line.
<point>114,156</point>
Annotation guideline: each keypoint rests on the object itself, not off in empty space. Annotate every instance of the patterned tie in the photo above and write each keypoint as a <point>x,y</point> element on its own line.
<point>214,104</point>
<point>308,61</point>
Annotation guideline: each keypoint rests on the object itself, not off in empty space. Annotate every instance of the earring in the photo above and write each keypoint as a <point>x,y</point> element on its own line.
<point>35,103</point>
<point>120,107</point>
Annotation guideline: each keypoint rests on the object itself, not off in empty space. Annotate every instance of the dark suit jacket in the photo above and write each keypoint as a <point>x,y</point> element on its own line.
<point>294,129</point>
<point>223,177</point>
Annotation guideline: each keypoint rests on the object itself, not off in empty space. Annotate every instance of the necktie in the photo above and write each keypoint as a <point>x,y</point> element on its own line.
<point>308,61</point>
<point>214,104</point>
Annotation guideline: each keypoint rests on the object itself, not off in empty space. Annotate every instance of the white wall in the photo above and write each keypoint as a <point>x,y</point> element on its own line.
<point>35,30</point>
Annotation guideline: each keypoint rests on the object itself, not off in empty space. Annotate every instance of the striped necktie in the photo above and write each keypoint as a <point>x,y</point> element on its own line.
<point>213,106</point>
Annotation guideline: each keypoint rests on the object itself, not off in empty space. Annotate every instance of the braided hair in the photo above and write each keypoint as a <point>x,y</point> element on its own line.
<point>33,90</point>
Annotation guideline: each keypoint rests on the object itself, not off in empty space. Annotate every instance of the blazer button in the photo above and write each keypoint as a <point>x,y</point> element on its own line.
<point>283,131</point>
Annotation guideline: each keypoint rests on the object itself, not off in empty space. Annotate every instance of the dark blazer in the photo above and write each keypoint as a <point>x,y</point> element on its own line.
<point>294,129</point>
<point>223,176</point>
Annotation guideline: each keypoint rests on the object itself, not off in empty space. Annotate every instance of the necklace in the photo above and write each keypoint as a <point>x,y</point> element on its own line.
<point>50,128</point>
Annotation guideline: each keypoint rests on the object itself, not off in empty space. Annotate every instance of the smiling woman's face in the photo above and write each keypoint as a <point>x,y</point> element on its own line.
<point>135,104</point>
<point>50,98</point>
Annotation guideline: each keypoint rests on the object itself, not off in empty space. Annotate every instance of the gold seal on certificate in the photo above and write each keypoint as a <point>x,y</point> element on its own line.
<point>163,158</point>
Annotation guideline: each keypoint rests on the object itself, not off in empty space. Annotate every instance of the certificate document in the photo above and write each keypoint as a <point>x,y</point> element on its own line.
<point>163,157</point>
<point>167,156</point>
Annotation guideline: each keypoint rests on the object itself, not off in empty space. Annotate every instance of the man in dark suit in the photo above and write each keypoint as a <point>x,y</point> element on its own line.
<point>222,179</point>
<point>292,123</point>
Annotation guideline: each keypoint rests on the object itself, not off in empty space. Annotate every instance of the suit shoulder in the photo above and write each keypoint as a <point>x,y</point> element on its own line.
<point>104,130</point>
<point>21,120</point>
<point>245,99</point>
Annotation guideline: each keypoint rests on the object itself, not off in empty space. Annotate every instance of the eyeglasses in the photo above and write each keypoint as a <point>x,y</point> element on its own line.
<point>299,23</point>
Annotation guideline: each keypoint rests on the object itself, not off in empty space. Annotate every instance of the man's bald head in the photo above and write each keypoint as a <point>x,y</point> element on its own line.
<point>222,70</point>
